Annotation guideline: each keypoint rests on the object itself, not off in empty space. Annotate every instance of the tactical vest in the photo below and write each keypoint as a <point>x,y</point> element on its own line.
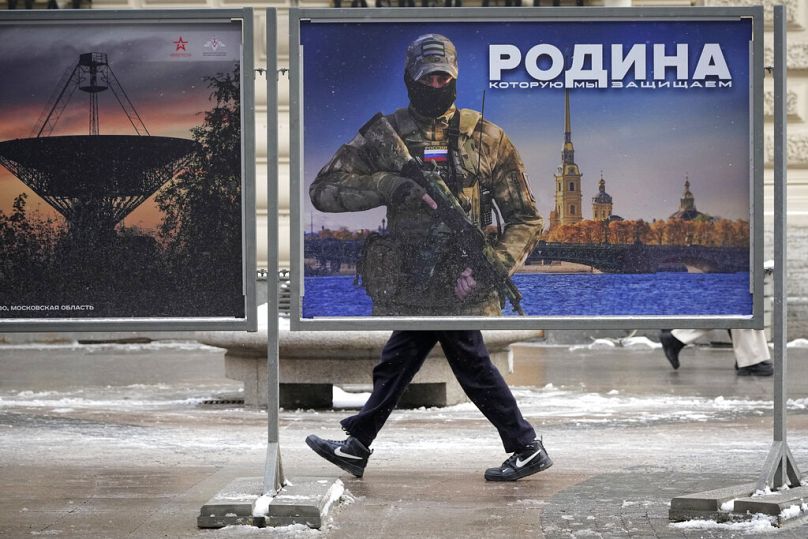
<point>456,157</point>
<point>406,280</point>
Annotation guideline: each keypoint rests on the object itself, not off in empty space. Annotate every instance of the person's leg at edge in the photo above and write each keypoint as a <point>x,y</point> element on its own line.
<point>751,350</point>
<point>484,385</point>
<point>674,340</point>
<point>402,357</point>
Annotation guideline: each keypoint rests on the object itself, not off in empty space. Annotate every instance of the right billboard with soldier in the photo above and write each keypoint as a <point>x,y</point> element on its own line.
<point>600,169</point>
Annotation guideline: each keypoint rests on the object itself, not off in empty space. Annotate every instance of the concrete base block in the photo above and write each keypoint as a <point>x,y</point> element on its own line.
<point>707,505</point>
<point>312,362</point>
<point>294,396</point>
<point>233,505</point>
<point>785,505</point>
<point>737,503</point>
<point>304,500</point>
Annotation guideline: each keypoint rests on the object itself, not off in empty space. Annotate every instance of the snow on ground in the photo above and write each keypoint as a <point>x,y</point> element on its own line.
<point>116,348</point>
<point>135,397</point>
<point>547,402</point>
<point>758,524</point>
<point>613,407</point>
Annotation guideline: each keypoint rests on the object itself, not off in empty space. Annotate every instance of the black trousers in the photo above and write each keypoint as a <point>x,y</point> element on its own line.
<point>468,357</point>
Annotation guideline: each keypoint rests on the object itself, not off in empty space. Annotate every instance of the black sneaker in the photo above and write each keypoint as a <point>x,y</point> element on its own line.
<point>764,368</point>
<point>351,455</point>
<point>671,346</point>
<point>530,459</point>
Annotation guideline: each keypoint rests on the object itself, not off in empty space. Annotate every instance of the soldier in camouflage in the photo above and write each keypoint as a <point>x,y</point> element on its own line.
<point>478,163</point>
<point>472,156</point>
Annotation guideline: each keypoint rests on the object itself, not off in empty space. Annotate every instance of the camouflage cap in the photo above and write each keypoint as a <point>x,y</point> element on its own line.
<point>431,53</point>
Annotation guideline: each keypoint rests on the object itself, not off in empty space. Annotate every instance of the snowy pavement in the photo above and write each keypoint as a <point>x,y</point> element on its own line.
<point>123,441</point>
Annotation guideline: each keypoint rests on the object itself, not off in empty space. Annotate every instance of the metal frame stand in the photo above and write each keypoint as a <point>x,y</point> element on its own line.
<point>273,471</point>
<point>780,469</point>
<point>271,500</point>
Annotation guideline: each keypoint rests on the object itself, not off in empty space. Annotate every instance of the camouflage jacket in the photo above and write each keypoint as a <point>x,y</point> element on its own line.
<point>353,180</point>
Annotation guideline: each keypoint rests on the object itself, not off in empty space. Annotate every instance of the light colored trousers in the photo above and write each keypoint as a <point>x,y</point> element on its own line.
<point>749,345</point>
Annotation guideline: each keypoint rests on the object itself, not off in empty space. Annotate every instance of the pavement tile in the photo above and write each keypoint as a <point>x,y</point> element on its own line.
<point>144,471</point>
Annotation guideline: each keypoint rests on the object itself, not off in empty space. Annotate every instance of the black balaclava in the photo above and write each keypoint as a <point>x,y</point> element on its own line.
<point>429,101</point>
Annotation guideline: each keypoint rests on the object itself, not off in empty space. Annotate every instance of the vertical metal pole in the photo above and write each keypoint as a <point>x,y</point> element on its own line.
<point>273,470</point>
<point>780,226</point>
<point>780,469</point>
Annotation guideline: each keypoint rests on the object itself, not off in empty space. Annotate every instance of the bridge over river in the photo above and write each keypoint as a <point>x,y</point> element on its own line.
<point>332,254</point>
<point>639,258</point>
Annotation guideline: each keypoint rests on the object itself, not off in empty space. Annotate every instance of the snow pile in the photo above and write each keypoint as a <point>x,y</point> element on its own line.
<point>758,524</point>
<point>261,506</point>
<point>294,531</point>
<point>639,343</point>
<point>597,344</point>
<point>793,511</point>
<point>342,399</point>
<point>798,343</point>
<point>631,343</point>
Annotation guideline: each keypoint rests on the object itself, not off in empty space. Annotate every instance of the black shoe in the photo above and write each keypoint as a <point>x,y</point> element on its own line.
<point>530,459</point>
<point>764,368</point>
<point>671,346</point>
<point>351,455</point>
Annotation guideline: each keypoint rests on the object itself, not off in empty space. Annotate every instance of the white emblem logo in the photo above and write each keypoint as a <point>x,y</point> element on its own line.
<point>338,452</point>
<point>214,44</point>
<point>520,463</point>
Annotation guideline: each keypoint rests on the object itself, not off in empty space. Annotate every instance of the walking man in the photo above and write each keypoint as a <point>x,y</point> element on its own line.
<point>419,268</point>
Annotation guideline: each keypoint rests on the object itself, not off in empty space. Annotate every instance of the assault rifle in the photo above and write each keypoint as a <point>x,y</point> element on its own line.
<point>392,154</point>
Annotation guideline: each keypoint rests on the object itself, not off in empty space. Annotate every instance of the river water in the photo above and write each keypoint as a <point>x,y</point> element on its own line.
<point>577,294</point>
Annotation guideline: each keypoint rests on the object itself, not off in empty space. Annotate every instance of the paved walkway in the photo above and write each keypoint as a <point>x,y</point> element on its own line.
<point>106,441</point>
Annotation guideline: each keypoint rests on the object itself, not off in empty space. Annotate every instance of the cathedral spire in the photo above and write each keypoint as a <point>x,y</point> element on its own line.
<point>568,197</point>
<point>568,153</point>
<point>567,126</point>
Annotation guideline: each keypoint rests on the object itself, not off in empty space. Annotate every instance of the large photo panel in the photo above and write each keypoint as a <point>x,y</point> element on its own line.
<point>533,168</point>
<point>126,185</point>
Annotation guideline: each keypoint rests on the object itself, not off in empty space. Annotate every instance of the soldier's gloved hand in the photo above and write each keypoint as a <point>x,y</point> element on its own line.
<point>465,284</point>
<point>400,191</point>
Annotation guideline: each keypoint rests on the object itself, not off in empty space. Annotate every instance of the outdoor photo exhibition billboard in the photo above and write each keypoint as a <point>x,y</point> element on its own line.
<point>127,170</point>
<point>552,168</point>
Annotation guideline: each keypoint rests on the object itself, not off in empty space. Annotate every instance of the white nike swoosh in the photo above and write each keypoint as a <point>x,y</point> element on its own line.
<point>520,463</point>
<point>338,452</point>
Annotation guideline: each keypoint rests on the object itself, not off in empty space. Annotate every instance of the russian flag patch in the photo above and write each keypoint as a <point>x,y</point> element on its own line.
<point>436,153</point>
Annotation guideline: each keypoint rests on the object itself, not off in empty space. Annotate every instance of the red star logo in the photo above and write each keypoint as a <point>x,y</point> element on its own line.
<point>180,43</point>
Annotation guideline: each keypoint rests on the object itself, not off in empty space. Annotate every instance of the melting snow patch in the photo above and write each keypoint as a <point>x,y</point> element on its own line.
<point>639,343</point>
<point>284,532</point>
<point>792,511</point>
<point>261,506</point>
<point>334,494</point>
<point>529,503</point>
<point>758,524</point>
<point>597,344</point>
<point>344,399</point>
<point>798,343</point>
<point>728,507</point>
